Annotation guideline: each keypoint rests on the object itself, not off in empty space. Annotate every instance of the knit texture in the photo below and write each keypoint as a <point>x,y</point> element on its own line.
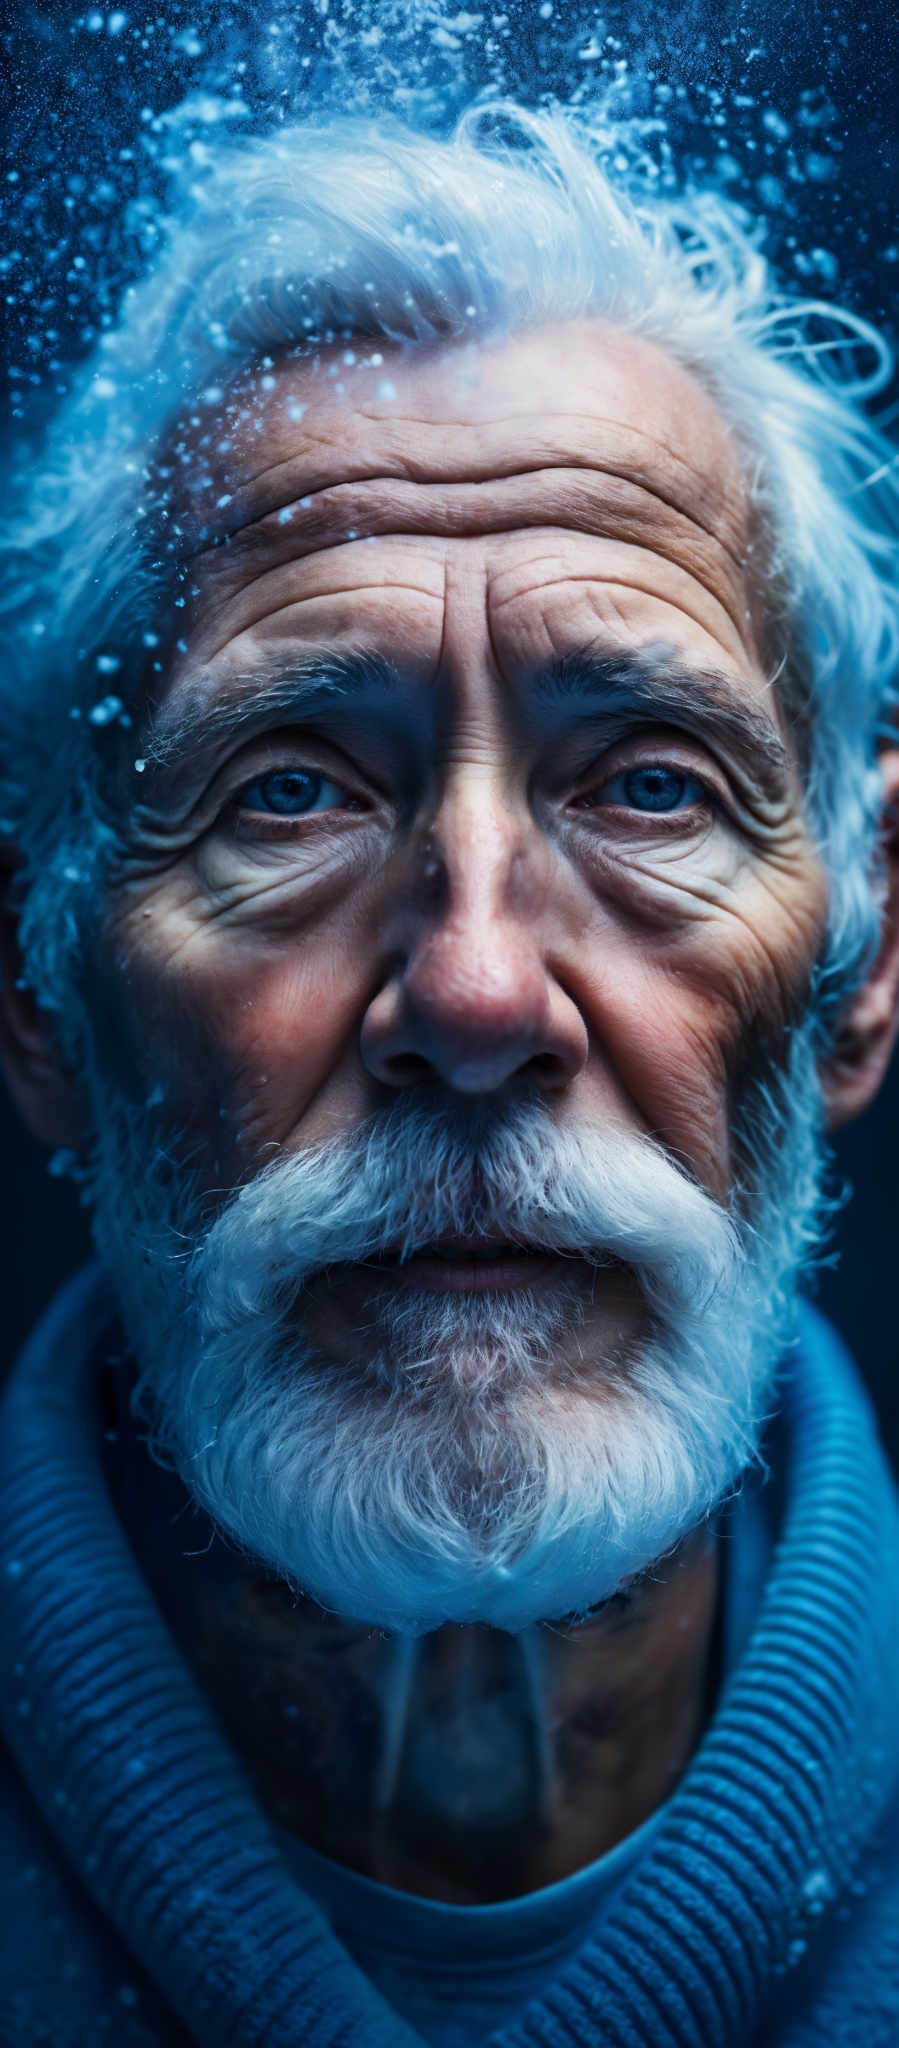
<point>766,1912</point>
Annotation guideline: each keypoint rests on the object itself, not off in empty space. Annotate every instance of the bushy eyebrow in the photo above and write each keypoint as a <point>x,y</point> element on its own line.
<point>658,684</point>
<point>273,690</point>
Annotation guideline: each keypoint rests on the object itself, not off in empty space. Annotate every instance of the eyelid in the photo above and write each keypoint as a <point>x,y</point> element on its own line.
<point>286,752</point>
<point>632,752</point>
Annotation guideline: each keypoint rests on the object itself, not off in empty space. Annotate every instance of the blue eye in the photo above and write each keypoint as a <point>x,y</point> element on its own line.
<point>292,793</point>
<point>654,788</point>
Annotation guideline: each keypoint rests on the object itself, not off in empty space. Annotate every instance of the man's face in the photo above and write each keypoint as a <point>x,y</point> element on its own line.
<point>470,873</point>
<point>468,787</point>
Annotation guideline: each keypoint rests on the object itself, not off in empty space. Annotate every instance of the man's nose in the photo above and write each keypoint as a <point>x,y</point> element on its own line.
<point>473,996</point>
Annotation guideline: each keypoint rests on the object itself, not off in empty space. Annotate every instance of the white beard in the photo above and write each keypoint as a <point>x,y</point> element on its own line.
<point>454,1475</point>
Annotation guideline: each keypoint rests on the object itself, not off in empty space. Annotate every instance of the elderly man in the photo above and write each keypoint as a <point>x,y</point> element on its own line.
<point>450,1582</point>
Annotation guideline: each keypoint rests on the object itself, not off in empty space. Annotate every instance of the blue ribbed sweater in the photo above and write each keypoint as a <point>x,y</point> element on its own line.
<point>142,1897</point>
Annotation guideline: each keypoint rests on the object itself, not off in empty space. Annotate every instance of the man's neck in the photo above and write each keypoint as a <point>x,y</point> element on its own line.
<point>467,1766</point>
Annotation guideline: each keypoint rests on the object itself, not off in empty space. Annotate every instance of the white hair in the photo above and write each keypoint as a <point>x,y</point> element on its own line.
<point>349,229</point>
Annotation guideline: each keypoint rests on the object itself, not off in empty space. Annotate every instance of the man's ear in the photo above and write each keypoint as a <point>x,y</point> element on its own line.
<point>866,1031</point>
<point>42,1088</point>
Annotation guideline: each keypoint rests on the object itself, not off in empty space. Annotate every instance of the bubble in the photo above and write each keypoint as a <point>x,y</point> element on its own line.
<point>775,124</point>
<point>60,1163</point>
<point>189,41</point>
<point>108,709</point>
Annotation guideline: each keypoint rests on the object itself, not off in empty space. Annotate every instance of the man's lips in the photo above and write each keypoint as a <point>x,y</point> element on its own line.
<point>468,1265</point>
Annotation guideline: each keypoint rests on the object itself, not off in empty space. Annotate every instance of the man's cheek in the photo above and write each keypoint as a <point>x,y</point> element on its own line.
<point>238,1039</point>
<point>671,1058</point>
<point>757,971</point>
<point>293,1064</point>
<point>675,1019</point>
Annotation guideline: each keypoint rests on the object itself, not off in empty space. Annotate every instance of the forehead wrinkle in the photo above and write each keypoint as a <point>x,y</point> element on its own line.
<point>476,517</point>
<point>634,589</point>
<point>480,468</point>
<point>329,429</point>
<point>464,484</point>
<point>607,582</point>
<point>314,597</point>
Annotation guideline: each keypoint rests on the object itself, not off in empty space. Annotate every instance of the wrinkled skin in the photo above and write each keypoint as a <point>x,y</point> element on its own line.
<point>474,905</point>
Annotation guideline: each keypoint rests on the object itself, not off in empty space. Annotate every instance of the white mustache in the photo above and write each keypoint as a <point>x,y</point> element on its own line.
<point>411,1176</point>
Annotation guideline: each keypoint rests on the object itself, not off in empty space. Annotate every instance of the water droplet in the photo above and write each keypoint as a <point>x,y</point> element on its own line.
<point>61,1163</point>
<point>107,709</point>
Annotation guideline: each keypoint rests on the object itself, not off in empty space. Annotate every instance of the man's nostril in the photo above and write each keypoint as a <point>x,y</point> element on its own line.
<point>548,1068</point>
<point>405,1069</point>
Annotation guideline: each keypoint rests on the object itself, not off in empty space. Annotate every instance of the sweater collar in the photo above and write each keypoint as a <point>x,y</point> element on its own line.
<point>149,1803</point>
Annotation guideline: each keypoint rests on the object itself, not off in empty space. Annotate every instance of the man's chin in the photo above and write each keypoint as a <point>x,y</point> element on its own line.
<point>462,1344</point>
<point>508,1507</point>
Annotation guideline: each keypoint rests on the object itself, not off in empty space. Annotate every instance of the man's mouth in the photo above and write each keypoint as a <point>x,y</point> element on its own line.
<point>467,1265</point>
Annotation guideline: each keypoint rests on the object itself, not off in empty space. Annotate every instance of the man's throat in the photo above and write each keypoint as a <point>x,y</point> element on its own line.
<point>466,1760</point>
<point>503,1763</point>
<point>467,1765</point>
<point>472,1765</point>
